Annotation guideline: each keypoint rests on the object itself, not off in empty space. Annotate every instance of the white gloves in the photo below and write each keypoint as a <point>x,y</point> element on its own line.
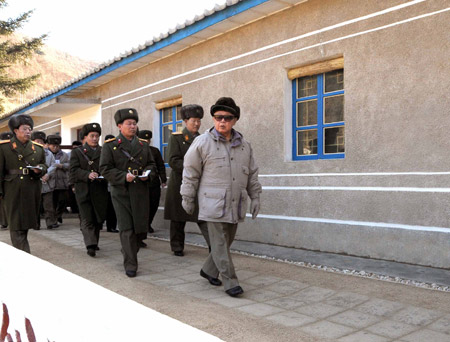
<point>254,207</point>
<point>188,205</point>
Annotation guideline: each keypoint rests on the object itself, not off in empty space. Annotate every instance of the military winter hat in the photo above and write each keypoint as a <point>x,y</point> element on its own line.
<point>91,127</point>
<point>145,134</point>
<point>109,136</point>
<point>38,135</point>
<point>124,114</point>
<point>18,120</point>
<point>54,139</point>
<point>191,111</point>
<point>6,135</point>
<point>226,104</point>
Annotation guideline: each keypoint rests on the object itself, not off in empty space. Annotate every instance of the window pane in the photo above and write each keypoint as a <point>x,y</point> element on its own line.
<point>178,109</point>
<point>307,113</point>
<point>167,115</point>
<point>334,80</point>
<point>306,142</point>
<point>334,140</point>
<point>307,86</point>
<point>167,130</point>
<point>179,127</point>
<point>165,154</point>
<point>334,109</point>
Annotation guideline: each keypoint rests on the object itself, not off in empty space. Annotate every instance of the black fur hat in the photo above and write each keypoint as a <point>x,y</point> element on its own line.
<point>226,104</point>
<point>6,135</point>
<point>91,127</point>
<point>38,135</point>
<point>191,111</point>
<point>124,114</point>
<point>18,120</point>
<point>54,139</point>
<point>145,134</point>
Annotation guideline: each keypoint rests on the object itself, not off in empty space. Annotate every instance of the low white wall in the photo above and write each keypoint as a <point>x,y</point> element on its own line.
<point>56,302</point>
<point>70,123</point>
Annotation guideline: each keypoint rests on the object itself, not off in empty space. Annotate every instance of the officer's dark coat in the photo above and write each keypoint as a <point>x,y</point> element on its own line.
<point>22,193</point>
<point>160,167</point>
<point>92,196</point>
<point>130,200</point>
<point>179,144</point>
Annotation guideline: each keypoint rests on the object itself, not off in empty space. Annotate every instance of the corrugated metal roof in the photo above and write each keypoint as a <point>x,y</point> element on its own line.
<point>144,54</point>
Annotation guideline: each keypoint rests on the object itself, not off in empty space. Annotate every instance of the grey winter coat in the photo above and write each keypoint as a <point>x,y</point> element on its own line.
<point>49,185</point>
<point>224,175</point>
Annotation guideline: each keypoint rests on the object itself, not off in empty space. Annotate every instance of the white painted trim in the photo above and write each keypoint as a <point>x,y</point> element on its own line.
<point>47,123</point>
<point>267,47</point>
<point>412,173</point>
<point>357,223</point>
<point>358,188</point>
<point>271,58</point>
<point>47,128</point>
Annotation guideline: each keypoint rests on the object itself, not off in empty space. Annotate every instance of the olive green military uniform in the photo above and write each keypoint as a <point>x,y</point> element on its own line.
<point>91,195</point>
<point>130,200</point>
<point>21,187</point>
<point>179,144</point>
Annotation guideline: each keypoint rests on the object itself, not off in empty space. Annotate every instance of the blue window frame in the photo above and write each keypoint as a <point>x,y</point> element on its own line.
<point>318,116</point>
<point>170,121</point>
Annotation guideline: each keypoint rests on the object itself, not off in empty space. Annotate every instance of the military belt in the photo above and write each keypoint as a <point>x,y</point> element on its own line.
<point>23,171</point>
<point>136,172</point>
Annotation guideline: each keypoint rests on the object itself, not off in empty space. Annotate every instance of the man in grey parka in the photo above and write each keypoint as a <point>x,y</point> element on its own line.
<point>220,169</point>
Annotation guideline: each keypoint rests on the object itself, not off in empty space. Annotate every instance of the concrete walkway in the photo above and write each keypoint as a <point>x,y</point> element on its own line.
<point>282,301</point>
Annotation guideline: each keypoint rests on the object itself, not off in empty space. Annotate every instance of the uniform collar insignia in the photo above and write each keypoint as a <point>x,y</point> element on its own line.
<point>186,137</point>
<point>119,141</point>
<point>14,145</point>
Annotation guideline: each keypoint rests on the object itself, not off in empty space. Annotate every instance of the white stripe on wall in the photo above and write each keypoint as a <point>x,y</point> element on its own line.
<point>267,47</point>
<point>47,123</point>
<point>411,173</point>
<point>278,56</point>
<point>358,188</point>
<point>357,223</point>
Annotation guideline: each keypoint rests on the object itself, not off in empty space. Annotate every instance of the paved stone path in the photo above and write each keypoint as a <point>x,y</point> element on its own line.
<point>316,307</point>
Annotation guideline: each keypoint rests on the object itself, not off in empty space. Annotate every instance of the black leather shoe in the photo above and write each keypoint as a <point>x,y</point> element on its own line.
<point>114,230</point>
<point>178,253</point>
<point>3,226</point>
<point>142,244</point>
<point>97,248</point>
<point>60,219</point>
<point>37,228</point>
<point>151,230</point>
<point>130,274</point>
<point>235,291</point>
<point>53,226</point>
<point>91,252</point>
<point>212,281</point>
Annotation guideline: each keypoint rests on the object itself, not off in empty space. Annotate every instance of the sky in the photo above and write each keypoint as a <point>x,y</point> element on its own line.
<point>99,30</point>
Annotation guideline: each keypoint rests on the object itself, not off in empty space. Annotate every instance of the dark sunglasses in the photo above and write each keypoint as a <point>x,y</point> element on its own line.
<point>227,118</point>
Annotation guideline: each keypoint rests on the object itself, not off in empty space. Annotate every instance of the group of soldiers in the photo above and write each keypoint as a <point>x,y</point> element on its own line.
<point>129,173</point>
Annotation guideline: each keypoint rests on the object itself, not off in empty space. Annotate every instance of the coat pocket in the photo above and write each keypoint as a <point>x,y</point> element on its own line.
<point>212,202</point>
<point>243,204</point>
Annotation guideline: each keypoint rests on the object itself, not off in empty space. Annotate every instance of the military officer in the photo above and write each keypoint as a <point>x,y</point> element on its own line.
<point>3,219</point>
<point>160,180</point>
<point>91,190</point>
<point>22,163</point>
<point>127,163</point>
<point>179,144</point>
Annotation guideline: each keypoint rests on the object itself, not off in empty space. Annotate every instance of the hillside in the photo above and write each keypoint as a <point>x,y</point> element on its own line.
<point>55,67</point>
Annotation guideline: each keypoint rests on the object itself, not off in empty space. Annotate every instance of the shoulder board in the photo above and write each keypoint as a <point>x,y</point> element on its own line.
<point>177,133</point>
<point>109,140</point>
<point>140,139</point>
<point>4,141</point>
<point>37,144</point>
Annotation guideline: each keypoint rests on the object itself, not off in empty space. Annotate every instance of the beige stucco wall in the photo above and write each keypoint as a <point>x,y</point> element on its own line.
<point>70,123</point>
<point>396,116</point>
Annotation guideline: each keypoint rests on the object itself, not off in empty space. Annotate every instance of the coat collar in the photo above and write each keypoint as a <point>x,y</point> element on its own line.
<point>188,137</point>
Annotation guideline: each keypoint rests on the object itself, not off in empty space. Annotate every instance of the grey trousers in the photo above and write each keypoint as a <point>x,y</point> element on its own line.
<point>91,232</point>
<point>177,234</point>
<point>221,236</point>
<point>19,239</point>
<point>49,209</point>
<point>130,248</point>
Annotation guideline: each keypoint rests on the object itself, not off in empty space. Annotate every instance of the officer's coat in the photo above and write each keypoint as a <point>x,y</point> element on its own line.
<point>130,200</point>
<point>179,144</point>
<point>92,196</point>
<point>21,193</point>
